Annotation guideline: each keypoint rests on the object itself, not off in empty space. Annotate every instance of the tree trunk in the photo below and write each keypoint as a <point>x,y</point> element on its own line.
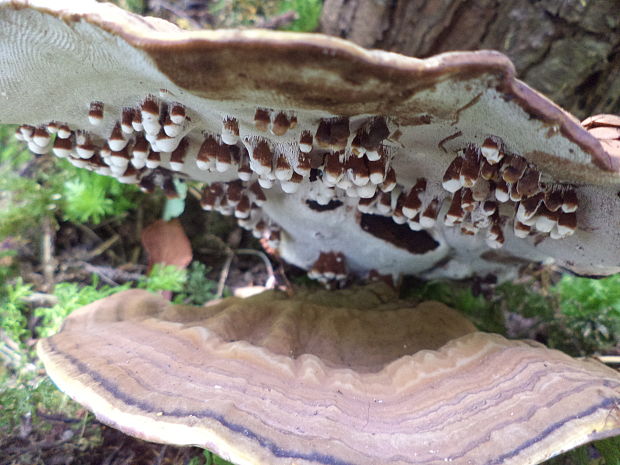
<point>567,49</point>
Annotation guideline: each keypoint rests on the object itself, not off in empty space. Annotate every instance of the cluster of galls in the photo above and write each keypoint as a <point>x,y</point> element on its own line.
<point>243,200</point>
<point>481,179</point>
<point>358,167</point>
<point>133,148</point>
<point>333,160</point>
<point>413,207</point>
<point>329,267</point>
<point>328,163</point>
<point>361,167</point>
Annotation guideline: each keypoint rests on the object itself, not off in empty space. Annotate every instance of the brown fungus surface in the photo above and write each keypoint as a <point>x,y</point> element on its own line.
<point>334,378</point>
<point>313,120</point>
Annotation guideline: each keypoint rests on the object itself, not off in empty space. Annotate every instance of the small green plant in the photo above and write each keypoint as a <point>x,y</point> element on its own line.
<point>522,299</point>
<point>23,200</point>
<point>71,296</point>
<point>198,288</point>
<point>7,263</point>
<point>577,315</point>
<point>164,278</point>
<point>308,14</point>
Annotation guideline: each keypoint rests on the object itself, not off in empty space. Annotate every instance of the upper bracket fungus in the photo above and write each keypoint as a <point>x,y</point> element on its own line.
<point>448,165</point>
<point>339,378</point>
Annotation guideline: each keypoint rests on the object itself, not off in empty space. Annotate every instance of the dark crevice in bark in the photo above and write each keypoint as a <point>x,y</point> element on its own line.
<point>566,49</point>
<point>487,26</point>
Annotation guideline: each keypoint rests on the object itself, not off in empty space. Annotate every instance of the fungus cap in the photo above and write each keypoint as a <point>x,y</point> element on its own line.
<point>325,140</point>
<point>352,377</point>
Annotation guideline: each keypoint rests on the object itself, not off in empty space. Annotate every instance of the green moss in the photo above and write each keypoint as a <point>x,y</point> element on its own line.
<point>71,296</point>
<point>89,197</point>
<point>484,313</point>
<point>605,452</point>
<point>237,13</point>
<point>577,315</point>
<point>308,14</point>
<point>13,311</point>
<point>135,6</point>
<point>609,450</point>
<point>36,187</point>
<point>590,310</point>
<point>23,398</point>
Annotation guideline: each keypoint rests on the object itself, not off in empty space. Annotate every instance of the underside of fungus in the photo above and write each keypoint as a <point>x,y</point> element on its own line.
<point>347,377</point>
<point>342,159</point>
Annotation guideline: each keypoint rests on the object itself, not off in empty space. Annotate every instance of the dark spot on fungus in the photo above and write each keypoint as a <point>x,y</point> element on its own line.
<point>331,205</point>
<point>400,235</point>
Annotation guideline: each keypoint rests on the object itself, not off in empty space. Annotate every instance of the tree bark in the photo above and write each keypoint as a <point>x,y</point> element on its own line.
<point>567,49</point>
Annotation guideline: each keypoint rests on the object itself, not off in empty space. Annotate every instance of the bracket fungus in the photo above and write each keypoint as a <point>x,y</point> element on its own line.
<point>342,160</point>
<point>447,166</point>
<point>335,378</point>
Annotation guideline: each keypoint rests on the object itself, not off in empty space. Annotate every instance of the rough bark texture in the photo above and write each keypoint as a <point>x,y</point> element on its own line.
<point>567,49</point>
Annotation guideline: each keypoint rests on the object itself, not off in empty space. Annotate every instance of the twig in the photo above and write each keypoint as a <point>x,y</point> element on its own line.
<point>58,418</point>
<point>84,421</point>
<point>89,232</point>
<point>271,281</point>
<point>108,459</point>
<point>139,222</point>
<point>37,446</point>
<point>47,253</point>
<point>10,352</point>
<point>224,274</point>
<point>161,455</point>
<point>135,253</point>
<point>163,5</point>
<point>278,21</point>
<point>40,299</point>
<point>288,287</point>
<point>110,252</point>
<point>99,271</point>
<point>194,192</point>
<point>130,459</point>
<point>103,247</point>
<point>609,359</point>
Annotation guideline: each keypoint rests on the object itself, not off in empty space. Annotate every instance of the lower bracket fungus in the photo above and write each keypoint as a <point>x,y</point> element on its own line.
<point>453,147</point>
<point>334,378</point>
